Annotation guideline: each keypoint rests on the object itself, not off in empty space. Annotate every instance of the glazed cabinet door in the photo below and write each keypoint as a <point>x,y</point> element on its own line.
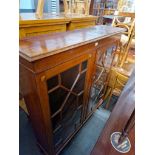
<point>65,91</point>
<point>103,63</point>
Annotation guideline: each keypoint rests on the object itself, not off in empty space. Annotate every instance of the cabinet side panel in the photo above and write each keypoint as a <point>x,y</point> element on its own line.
<point>29,92</point>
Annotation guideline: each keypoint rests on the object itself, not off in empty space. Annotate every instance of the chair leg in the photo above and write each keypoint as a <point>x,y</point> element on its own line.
<point>124,58</point>
<point>127,49</point>
<point>108,103</point>
<point>107,93</point>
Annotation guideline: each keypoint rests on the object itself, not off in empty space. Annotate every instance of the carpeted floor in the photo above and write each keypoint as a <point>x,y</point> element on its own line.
<point>27,140</point>
<point>112,103</point>
<point>81,144</point>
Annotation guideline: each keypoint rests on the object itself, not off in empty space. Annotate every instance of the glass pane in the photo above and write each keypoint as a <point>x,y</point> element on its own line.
<point>80,99</point>
<point>69,108</point>
<point>68,77</point>
<point>68,127</point>
<point>56,99</point>
<point>109,57</point>
<point>56,122</point>
<point>84,65</point>
<point>80,84</point>
<point>71,124</point>
<point>57,138</point>
<point>52,82</point>
<point>100,57</point>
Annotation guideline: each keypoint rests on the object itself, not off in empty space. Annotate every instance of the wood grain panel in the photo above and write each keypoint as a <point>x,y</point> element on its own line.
<point>37,47</point>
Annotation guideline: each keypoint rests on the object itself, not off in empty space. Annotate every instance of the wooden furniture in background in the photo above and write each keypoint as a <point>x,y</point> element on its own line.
<point>32,24</point>
<point>40,7</point>
<point>29,25</point>
<point>126,6</point>
<point>128,22</point>
<point>87,5</point>
<point>66,8</point>
<point>97,10</point>
<point>91,7</point>
<point>80,21</point>
<point>103,9</point>
<point>117,77</point>
<point>109,11</point>
<point>110,19</point>
<point>58,72</point>
<point>116,83</point>
<point>118,121</point>
<point>107,7</point>
<point>130,43</point>
<point>76,6</point>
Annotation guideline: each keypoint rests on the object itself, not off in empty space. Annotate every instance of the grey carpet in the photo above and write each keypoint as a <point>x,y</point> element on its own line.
<point>113,101</point>
<point>81,144</point>
<point>27,140</point>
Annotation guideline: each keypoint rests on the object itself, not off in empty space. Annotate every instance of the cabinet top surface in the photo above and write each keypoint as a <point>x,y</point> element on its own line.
<point>38,47</point>
<point>30,18</point>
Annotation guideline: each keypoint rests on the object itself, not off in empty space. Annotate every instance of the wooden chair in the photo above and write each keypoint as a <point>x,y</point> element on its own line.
<point>118,76</point>
<point>76,6</point>
<point>129,44</point>
<point>127,21</point>
<point>115,86</point>
<point>40,7</point>
<point>121,55</point>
